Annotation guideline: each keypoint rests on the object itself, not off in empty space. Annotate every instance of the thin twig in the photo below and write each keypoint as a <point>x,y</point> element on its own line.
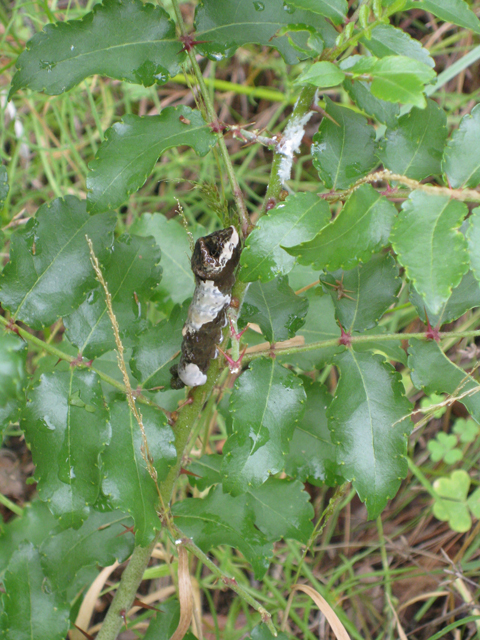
<point>121,365</point>
<point>464,195</point>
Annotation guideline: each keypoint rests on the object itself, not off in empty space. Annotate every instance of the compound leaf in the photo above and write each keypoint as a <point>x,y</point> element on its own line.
<point>370,423</point>
<point>282,509</point>
<point>157,349</point>
<point>415,147</point>
<point>275,308</point>
<point>230,24</point>
<point>343,152</point>
<point>336,10</point>
<point>473,238</point>
<point>363,294</point>
<point>385,40</point>
<point>361,93</point>
<point>131,276</point>
<point>320,324</point>
<point>66,426</point>
<point>177,280</point>
<point>361,228</point>
<point>129,485</point>
<point>461,162</point>
<point>426,230</point>
<point>98,541</point>
<point>464,297</point>
<point>131,148</point>
<point>321,74</point>
<point>50,269</point>
<point>12,368</point>
<point>128,41</point>
<point>394,78</point>
<point>33,526</point>
<point>221,519</point>
<point>432,371</point>
<point>266,404</point>
<point>454,11</point>
<point>312,454</point>
<point>296,220</point>
<point>32,610</point>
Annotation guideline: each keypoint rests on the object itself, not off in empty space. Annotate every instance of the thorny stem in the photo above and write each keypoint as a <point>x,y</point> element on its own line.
<point>74,361</point>
<point>231,583</point>
<point>243,216</point>
<point>465,195</point>
<point>334,342</point>
<point>302,106</point>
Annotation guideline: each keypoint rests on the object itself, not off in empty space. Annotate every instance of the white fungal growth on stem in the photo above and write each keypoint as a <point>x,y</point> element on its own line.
<point>290,144</point>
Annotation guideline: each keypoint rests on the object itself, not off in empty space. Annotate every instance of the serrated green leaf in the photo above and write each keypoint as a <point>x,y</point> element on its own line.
<point>343,152</point>
<point>473,239</point>
<point>13,355</point>
<point>312,454</point>
<point>296,220</point>
<point>221,519</point>
<point>415,147</point>
<point>464,297</point>
<point>275,308</point>
<point>33,526</point>
<point>98,541</point>
<point>432,371</point>
<point>369,420</point>
<point>32,610</point>
<point>320,324</point>
<point>131,148</point>
<point>321,74</point>
<point>451,501</point>
<point>336,10</point>
<point>361,228</point>
<point>281,507</point>
<point>3,185</point>
<point>363,294</point>
<point>454,11</point>
<point>131,276</point>
<point>360,92</point>
<point>233,23</point>
<point>431,224</point>
<point>50,269</point>
<point>128,41</point>
<point>461,162</point>
<point>266,404</point>
<point>282,510</point>
<point>177,282</point>
<point>388,349</point>
<point>129,485</point>
<point>66,441</point>
<point>157,349</point>
<point>385,40</point>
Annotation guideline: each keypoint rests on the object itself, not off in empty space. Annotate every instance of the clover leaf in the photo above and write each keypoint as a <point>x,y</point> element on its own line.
<point>444,448</point>
<point>467,430</point>
<point>451,503</point>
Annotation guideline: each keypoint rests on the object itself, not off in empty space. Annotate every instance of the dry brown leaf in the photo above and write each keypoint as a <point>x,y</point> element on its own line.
<point>337,627</point>
<point>184,594</point>
<point>88,604</point>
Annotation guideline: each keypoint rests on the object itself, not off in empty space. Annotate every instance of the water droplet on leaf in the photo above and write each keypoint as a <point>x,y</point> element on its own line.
<point>259,6</point>
<point>288,9</point>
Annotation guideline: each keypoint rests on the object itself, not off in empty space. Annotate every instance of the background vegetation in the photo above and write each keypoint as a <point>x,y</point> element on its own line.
<point>411,571</point>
